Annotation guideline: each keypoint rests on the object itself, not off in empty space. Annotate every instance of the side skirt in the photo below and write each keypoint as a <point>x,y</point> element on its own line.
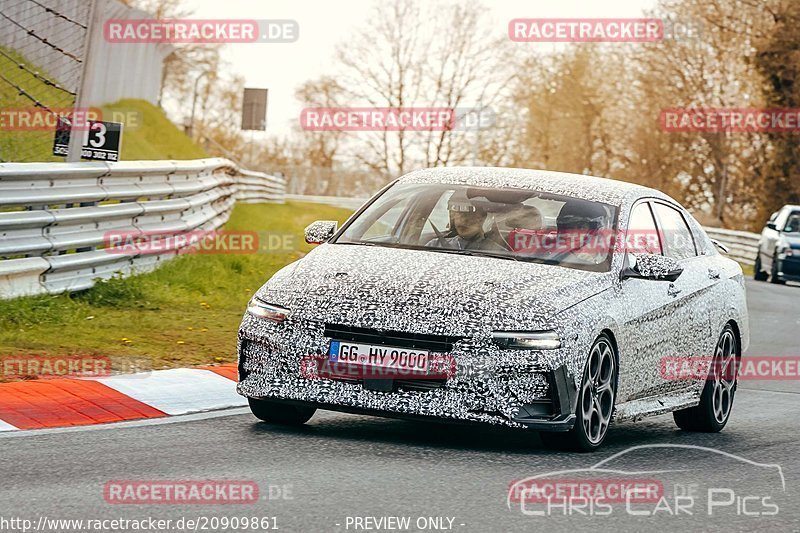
<point>656,405</point>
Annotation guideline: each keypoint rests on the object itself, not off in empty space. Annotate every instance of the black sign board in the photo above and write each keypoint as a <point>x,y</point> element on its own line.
<point>101,140</point>
<point>254,109</point>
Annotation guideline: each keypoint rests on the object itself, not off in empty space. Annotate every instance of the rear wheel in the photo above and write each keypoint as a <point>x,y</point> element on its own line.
<point>595,402</point>
<point>758,273</point>
<point>280,413</point>
<point>716,400</point>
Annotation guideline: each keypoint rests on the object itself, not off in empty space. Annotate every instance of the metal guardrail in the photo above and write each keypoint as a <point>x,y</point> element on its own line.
<point>742,245</point>
<point>54,217</point>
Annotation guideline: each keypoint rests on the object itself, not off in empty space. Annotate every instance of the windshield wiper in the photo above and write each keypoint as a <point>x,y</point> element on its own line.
<point>358,243</point>
<point>481,253</point>
<point>471,253</point>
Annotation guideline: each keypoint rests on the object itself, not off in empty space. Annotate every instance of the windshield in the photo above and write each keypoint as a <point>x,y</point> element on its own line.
<point>793,223</point>
<point>513,224</point>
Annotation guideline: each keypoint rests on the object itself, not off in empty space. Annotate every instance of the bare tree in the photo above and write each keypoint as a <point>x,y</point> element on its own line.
<point>415,54</point>
<point>186,61</point>
<point>318,149</point>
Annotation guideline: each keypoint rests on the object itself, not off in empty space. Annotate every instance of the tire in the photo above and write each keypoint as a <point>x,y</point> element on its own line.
<point>280,413</point>
<point>773,277</point>
<point>595,406</point>
<point>758,273</point>
<point>716,400</point>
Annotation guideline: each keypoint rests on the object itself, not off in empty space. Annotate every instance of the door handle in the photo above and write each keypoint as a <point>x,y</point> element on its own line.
<point>713,273</point>
<point>672,290</point>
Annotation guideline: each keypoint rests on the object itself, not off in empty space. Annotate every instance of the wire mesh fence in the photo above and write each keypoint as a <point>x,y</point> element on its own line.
<point>41,54</point>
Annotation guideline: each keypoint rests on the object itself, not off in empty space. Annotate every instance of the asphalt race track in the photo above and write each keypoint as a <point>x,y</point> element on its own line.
<point>339,469</point>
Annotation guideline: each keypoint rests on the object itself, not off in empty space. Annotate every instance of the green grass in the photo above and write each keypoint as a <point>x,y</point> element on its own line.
<point>185,313</point>
<point>26,145</point>
<point>148,133</point>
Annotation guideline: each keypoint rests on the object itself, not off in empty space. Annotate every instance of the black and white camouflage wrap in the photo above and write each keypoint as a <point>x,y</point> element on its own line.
<point>469,297</point>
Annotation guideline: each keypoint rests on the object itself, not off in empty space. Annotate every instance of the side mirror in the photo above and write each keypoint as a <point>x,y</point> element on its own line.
<point>320,231</point>
<point>652,267</point>
<point>771,225</point>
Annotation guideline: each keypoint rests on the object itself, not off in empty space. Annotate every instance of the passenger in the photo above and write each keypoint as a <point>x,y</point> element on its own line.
<point>579,232</point>
<point>525,230</point>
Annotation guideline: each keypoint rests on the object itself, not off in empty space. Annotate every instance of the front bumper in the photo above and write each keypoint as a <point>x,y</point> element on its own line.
<point>789,267</point>
<point>504,387</point>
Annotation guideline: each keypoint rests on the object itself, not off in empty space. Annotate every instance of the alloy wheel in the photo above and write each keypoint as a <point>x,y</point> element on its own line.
<point>597,392</point>
<point>724,376</point>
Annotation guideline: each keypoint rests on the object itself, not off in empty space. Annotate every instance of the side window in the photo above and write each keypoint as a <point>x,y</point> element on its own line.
<point>678,240</point>
<point>642,234</point>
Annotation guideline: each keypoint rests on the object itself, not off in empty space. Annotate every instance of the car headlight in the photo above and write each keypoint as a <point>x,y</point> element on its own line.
<point>261,309</point>
<point>527,340</point>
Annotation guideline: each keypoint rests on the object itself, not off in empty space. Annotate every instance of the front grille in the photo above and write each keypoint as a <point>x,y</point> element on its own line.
<point>433,343</point>
<point>419,384</point>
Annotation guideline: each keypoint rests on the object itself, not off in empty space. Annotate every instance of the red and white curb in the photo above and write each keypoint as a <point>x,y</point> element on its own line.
<point>60,402</point>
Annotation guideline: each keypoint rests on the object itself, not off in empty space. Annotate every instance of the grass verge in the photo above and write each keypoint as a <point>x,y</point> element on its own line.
<point>185,313</point>
<point>147,134</point>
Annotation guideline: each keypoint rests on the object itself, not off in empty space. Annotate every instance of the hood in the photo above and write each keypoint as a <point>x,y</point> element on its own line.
<point>427,292</point>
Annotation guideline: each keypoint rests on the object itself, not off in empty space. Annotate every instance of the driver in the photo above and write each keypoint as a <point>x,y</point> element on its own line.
<point>466,221</point>
<point>579,226</point>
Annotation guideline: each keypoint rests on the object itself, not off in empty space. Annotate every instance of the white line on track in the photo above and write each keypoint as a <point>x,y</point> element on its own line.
<point>130,423</point>
<point>204,416</point>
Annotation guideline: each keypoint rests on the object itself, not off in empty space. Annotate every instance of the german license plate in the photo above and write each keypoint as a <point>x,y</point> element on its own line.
<point>404,360</point>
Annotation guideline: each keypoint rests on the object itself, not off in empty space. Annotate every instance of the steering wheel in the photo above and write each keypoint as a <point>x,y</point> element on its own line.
<point>439,234</point>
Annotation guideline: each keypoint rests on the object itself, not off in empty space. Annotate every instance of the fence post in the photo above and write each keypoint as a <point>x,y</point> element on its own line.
<point>87,73</point>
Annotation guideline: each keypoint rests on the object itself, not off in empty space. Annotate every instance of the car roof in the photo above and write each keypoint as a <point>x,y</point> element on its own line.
<point>574,185</point>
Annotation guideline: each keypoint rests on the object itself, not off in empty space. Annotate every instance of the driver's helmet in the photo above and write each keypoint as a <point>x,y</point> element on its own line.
<point>459,203</point>
<point>575,215</point>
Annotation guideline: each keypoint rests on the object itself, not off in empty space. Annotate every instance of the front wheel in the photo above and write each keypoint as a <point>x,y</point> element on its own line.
<point>595,402</point>
<point>758,273</point>
<point>716,400</point>
<point>280,413</point>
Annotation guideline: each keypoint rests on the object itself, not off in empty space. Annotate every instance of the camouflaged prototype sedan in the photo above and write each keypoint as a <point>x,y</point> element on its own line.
<point>522,298</point>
